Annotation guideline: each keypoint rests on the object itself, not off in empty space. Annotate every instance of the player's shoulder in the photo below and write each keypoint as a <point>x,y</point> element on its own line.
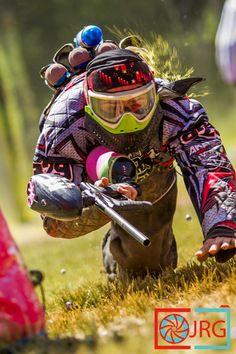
<point>69,103</point>
<point>74,90</point>
<point>173,96</point>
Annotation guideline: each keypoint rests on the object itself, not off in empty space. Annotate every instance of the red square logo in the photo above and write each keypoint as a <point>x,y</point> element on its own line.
<point>171,328</point>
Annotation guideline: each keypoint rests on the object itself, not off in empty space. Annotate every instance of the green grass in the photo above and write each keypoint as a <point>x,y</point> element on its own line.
<point>118,318</point>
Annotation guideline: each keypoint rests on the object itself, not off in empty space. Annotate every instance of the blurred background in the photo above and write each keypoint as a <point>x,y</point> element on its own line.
<point>32,31</point>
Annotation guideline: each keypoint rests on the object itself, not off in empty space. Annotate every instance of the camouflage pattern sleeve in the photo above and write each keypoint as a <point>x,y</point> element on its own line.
<point>208,174</point>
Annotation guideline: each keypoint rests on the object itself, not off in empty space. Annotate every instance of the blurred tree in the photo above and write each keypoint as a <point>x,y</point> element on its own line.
<point>16,104</point>
<point>45,26</point>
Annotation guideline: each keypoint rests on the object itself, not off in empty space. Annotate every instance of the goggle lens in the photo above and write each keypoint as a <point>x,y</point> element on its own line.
<point>111,109</point>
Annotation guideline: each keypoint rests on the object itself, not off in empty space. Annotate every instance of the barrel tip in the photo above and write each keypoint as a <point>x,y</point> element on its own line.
<point>146,242</point>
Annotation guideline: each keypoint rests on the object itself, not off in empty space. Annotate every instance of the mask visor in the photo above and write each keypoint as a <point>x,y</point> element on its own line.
<point>110,107</point>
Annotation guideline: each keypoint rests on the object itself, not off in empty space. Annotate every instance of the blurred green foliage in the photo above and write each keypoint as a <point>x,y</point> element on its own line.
<point>46,25</point>
<point>32,31</point>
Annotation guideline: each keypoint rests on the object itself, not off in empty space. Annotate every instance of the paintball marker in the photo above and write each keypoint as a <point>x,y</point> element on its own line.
<point>55,196</point>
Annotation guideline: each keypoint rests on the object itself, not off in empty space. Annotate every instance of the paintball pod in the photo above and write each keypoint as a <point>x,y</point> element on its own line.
<point>89,37</point>
<point>55,196</point>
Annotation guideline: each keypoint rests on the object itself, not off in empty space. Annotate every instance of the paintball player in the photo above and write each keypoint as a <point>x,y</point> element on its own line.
<point>117,107</point>
<point>225,43</point>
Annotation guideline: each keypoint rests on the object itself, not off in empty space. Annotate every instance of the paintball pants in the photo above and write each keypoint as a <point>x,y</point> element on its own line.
<point>123,254</point>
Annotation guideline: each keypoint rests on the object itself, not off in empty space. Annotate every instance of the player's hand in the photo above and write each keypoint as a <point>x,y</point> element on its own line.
<point>213,245</point>
<point>123,188</point>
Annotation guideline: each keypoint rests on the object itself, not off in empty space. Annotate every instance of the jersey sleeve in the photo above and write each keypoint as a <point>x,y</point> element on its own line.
<point>208,174</point>
<point>63,143</point>
<point>62,149</point>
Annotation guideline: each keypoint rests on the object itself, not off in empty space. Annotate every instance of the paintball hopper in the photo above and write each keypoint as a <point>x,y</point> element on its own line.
<point>54,196</point>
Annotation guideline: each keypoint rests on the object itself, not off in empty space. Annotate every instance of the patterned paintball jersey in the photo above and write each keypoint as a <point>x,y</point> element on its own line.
<point>182,133</point>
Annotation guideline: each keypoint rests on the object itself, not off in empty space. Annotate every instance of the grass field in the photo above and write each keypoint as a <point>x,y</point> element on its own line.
<point>115,318</point>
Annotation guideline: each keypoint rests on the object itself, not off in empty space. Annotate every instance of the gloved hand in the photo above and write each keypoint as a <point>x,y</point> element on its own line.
<point>124,188</point>
<point>214,246</point>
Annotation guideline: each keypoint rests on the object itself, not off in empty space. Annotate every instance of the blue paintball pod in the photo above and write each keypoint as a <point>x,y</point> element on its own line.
<point>89,37</point>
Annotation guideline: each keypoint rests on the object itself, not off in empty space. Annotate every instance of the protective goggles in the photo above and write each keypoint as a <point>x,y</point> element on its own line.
<point>110,107</point>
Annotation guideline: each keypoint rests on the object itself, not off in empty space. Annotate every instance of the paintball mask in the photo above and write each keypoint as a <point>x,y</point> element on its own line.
<point>120,91</point>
